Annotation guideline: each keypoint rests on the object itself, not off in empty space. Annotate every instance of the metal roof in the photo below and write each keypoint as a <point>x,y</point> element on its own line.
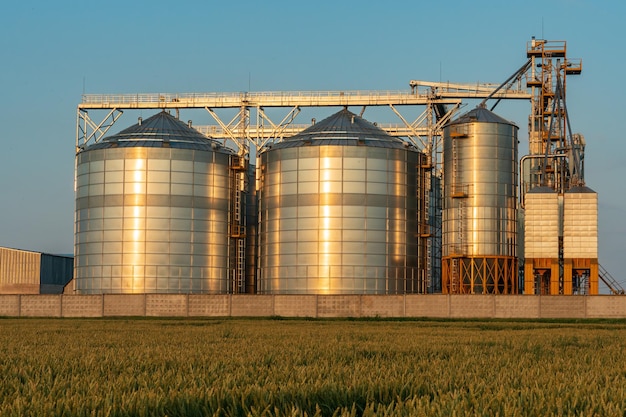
<point>541,189</point>
<point>343,128</point>
<point>34,251</point>
<point>160,130</point>
<point>581,189</point>
<point>480,114</point>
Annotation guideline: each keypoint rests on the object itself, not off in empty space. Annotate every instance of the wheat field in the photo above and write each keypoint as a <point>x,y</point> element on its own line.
<point>273,367</point>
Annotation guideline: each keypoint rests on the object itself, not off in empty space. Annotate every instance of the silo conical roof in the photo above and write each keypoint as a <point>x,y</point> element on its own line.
<point>480,114</point>
<point>160,130</point>
<point>343,128</point>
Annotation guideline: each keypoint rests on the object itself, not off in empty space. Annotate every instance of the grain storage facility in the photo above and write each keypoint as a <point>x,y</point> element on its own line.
<point>152,211</point>
<point>561,241</point>
<point>541,241</point>
<point>340,204</point>
<point>580,241</point>
<point>29,272</point>
<point>479,254</point>
<point>433,204</point>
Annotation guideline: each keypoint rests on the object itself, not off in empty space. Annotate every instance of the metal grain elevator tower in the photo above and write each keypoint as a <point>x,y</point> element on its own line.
<point>561,213</point>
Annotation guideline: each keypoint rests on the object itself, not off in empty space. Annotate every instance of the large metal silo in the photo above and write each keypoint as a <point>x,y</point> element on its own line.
<point>152,211</point>
<point>339,212</point>
<point>479,253</point>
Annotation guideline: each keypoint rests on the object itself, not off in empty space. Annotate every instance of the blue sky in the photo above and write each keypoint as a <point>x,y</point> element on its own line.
<point>50,52</point>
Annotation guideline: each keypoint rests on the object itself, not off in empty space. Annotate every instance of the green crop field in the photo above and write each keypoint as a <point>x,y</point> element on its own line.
<point>271,367</point>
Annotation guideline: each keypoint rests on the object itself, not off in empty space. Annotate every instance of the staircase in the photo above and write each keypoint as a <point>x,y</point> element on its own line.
<point>609,281</point>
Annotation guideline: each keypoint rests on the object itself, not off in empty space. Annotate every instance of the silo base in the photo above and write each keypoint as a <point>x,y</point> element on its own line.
<point>479,275</point>
<point>538,276</point>
<point>580,276</point>
<point>542,276</point>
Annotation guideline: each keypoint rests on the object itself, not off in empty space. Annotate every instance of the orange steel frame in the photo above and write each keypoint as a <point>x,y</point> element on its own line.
<point>544,269</point>
<point>480,274</point>
<point>547,270</point>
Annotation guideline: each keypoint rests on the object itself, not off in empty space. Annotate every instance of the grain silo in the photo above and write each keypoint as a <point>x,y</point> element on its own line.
<point>339,212</point>
<point>152,211</point>
<point>479,250</point>
<point>542,229</point>
<point>580,241</point>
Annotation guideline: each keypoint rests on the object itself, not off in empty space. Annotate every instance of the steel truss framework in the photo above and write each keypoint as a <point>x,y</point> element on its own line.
<point>479,275</point>
<point>440,101</point>
<point>555,154</point>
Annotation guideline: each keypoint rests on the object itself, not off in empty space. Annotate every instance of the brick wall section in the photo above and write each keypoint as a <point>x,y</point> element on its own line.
<point>338,306</point>
<point>166,305</point>
<point>10,305</point>
<point>201,305</point>
<point>252,305</point>
<point>472,306</point>
<point>382,306</point>
<point>124,305</point>
<point>40,305</point>
<point>565,307</point>
<point>435,305</point>
<point>82,305</point>
<point>606,307</point>
<point>513,306</point>
<point>295,305</point>
<point>322,306</point>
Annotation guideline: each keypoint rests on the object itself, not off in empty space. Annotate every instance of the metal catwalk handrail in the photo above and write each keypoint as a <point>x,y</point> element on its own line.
<point>287,98</point>
<point>473,90</point>
<point>218,132</point>
<point>545,47</point>
<point>271,98</point>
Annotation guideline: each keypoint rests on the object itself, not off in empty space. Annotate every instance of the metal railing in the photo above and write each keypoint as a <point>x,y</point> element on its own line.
<point>546,48</point>
<point>271,98</point>
<point>450,92</point>
<point>609,281</point>
<point>459,190</point>
<point>217,132</point>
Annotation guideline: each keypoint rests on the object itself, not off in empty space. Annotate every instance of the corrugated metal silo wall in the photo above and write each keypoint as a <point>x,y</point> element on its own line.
<point>339,220</point>
<point>160,226</point>
<point>480,210</point>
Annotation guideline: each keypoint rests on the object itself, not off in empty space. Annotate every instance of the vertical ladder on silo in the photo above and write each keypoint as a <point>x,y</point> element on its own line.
<point>239,234</point>
<point>459,193</point>
<point>429,263</point>
<point>237,224</point>
<point>454,275</point>
<point>241,266</point>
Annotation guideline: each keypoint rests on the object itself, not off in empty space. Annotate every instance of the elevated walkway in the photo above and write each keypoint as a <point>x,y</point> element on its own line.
<point>252,99</point>
<point>441,93</point>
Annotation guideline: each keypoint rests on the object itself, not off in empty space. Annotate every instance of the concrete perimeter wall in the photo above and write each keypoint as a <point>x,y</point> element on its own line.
<point>317,306</point>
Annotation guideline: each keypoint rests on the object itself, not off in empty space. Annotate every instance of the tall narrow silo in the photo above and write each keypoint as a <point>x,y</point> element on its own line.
<point>580,241</point>
<point>152,211</point>
<point>542,214</point>
<point>339,212</point>
<point>479,249</point>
